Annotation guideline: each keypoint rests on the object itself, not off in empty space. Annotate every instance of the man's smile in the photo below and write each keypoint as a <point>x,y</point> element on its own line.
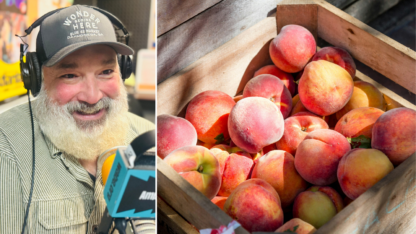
<point>86,115</point>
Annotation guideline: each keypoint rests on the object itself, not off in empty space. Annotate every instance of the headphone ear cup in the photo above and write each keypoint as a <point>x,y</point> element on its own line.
<point>35,73</point>
<point>24,72</point>
<point>120,60</point>
<point>125,63</point>
<point>128,65</point>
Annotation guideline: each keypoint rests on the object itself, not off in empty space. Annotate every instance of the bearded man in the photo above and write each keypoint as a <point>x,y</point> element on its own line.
<point>80,111</point>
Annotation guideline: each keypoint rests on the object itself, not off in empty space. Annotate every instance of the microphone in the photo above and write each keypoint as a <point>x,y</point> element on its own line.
<point>130,187</point>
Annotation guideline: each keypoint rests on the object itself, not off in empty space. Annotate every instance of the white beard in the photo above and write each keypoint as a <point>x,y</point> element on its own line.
<point>83,139</point>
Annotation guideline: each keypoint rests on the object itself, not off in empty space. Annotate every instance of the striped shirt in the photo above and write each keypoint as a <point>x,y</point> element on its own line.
<point>65,198</point>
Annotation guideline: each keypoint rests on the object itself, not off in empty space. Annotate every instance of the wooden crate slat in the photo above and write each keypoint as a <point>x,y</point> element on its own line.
<point>169,221</point>
<point>171,13</point>
<point>188,201</point>
<point>367,10</point>
<point>188,42</point>
<point>371,47</point>
<point>341,4</point>
<point>214,69</point>
<point>307,17</point>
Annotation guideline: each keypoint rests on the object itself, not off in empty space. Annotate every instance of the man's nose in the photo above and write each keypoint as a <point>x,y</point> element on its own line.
<point>90,90</point>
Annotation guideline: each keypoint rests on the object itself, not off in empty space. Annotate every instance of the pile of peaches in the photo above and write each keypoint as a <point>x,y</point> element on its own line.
<point>294,150</point>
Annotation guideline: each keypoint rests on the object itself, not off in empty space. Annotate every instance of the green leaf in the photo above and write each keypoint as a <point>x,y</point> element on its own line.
<point>221,139</point>
<point>295,227</point>
<point>360,142</point>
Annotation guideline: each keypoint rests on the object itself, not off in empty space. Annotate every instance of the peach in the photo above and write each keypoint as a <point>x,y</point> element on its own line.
<point>296,129</point>
<point>208,112</point>
<point>255,205</point>
<point>299,75</point>
<point>363,95</point>
<point>230,149</point>
<point>237,169</point>
<point>347,201</point>
<point>257,155</point>
<point>298,107</point>
<point>238,98</point>
<point>269,148</point>
<point>358,122</point>
<point>286,78</point>
<point>360,169</point>
<point>222,152</point>
<point>278,169</point>
<point>331,120</point>
<point>314,207</point>
<point>324,87</point>
<point>292,48</point>
<point>295,100</point>
<point>394,133</point>
<point>318,156</point>
<point>219,201</point>
<point>272,88</point>
<point>199,167</point>
<point>206,145</point>
<point>173,133</point>
<point>338,56</point>
<point>254,123</point>
<point>391,103</point>
<point>298,226</point>
<point>332,194</point>
<point>221,156</point>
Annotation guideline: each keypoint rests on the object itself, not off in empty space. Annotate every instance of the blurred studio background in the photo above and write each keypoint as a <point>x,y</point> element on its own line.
<point>137,16</point>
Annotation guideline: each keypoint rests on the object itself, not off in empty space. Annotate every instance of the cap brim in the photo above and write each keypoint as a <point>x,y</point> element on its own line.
<point>120,48</point>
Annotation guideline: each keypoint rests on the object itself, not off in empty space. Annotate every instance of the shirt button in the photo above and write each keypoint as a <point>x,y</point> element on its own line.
<point>95,229</point>
<point>55,155</point>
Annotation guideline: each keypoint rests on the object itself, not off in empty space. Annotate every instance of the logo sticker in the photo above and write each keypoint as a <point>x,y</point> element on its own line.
<point>83,24</point>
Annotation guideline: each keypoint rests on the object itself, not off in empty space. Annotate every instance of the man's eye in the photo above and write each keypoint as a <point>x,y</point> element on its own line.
<point>107,72</point>
<point>68,76</point>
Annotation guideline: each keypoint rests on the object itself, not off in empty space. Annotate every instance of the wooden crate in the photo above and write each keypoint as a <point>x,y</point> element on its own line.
<point>389,206</point>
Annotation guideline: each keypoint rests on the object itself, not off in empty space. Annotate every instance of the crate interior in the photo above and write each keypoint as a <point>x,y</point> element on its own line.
<point>228,69</point>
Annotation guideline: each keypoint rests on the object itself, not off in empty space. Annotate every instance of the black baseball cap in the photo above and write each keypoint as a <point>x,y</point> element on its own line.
<point>72,28</point>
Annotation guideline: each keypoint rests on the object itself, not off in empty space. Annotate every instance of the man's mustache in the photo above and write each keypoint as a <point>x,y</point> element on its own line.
<point>87,107</point>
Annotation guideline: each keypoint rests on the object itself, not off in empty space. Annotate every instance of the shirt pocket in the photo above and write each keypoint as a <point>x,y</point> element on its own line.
<point>68,215</point>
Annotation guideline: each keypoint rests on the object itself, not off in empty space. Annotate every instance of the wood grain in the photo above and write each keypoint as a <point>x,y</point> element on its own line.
<point>307,15</point>
<point>188,42</point>
<point>188,201</point>
<point>367,10</point>
<point>170,222</point>
<point>385,208</point>
<point>223,69</point>
<point>341,4</point>
<point>371,47</point>
<point>171,13</point>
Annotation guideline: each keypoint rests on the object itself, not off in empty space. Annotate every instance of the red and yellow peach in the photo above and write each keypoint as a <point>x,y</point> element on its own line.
<point>208,112</point>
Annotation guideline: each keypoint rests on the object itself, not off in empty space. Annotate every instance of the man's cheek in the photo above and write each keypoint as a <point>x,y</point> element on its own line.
<point>112,87</point>
<point>64,93</point>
